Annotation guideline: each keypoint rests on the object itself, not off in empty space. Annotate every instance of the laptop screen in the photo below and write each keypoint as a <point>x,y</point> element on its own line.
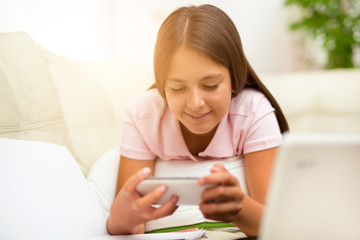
<point>314,192</point>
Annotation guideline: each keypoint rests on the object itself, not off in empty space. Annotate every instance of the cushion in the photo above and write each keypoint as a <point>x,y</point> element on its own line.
<point>29,103</point>
<point>93,96</point>
<point>88,112</point>
<point>44,194</point>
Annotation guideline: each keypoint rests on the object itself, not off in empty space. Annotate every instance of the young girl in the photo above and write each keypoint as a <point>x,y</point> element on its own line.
<point>207,103</point>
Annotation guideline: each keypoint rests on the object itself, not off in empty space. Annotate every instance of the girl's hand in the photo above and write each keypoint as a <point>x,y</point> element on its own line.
<point>224,201</point>
<point>130,211</point>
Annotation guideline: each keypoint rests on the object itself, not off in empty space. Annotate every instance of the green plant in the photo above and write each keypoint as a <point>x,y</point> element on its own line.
<point>334,23</point>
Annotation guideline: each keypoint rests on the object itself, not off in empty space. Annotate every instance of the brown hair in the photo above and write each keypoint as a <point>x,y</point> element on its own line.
<point>209,30</point>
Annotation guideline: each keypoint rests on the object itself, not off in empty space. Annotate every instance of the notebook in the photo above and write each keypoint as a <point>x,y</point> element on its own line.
<point>314,192</point>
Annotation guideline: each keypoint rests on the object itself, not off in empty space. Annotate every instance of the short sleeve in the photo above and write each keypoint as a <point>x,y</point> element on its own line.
<point>132,144</point>
<point>264,131</point>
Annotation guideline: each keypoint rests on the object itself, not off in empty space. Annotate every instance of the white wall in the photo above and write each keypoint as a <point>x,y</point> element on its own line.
<point>124,30</point>
<point>74,28</point>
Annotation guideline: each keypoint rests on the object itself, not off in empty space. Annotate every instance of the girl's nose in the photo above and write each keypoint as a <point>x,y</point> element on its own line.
<point>196,100</point>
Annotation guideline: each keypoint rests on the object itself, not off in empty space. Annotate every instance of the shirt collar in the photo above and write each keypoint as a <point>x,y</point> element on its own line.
<point>220,146</point>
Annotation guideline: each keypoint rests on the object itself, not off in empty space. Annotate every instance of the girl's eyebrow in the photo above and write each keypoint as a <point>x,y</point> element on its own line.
<point>212,76</point>
<point>175,80</point>
<point>207,77</point>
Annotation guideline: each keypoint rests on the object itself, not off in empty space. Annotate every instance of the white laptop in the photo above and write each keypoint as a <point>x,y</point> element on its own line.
<point>314,192</point>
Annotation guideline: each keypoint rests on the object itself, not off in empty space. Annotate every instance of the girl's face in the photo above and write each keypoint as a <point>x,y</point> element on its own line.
<point>198,90</point>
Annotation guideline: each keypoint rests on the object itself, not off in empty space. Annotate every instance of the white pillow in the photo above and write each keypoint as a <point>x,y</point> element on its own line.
<point>44,194</point>
<point>191,214</point>
<point>102,178</point>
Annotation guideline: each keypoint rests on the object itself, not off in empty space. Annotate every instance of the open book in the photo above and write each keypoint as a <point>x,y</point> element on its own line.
<point>44,195</point>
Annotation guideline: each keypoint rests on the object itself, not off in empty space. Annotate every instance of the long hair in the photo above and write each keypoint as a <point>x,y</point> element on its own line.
<point>209,30</point>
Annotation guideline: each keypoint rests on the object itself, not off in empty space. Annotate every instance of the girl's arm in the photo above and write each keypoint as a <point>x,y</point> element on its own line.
<point>258,168</point>
<point>129,210</point>
<point>129,167</point>
<point>245,211</point>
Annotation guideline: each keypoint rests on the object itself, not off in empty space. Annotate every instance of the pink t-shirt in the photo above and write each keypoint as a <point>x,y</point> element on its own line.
<point>152,131</point>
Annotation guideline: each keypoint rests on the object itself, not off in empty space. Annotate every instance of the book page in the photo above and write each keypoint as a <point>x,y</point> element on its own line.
<point>193,235</point>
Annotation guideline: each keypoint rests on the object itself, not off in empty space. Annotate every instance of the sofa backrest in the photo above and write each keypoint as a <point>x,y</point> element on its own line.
<point>319,101</point>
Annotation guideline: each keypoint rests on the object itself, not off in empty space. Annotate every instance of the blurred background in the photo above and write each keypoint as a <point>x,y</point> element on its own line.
<point>125,31</point>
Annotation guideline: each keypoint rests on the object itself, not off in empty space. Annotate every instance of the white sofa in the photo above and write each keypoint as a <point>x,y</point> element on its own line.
<point>81,105</point>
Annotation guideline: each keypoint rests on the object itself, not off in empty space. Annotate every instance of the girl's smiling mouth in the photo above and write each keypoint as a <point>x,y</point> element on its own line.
<point>197,117</point>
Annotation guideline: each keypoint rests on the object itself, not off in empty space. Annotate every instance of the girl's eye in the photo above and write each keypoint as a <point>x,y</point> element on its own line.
<point>211,86</point>
<point>177,89</point>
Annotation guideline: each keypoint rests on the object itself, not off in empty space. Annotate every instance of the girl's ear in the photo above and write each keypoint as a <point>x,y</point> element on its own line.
<point>233,93</point>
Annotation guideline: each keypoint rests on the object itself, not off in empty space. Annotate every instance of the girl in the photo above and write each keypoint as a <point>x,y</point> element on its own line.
<point>207,103</point>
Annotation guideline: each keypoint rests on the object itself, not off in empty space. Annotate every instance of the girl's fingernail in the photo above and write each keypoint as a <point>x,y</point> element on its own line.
<point>201,181</point>
<point>175,199</point>
<point>215,169</point>
<point>162,188</point>
<point>146,171</point>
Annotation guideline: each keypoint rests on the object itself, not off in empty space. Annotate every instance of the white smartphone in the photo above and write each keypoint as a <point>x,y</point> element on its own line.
<point>188,189</point>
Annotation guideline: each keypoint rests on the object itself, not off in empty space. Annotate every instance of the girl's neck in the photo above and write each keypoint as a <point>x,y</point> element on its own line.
<point>196,143</point>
